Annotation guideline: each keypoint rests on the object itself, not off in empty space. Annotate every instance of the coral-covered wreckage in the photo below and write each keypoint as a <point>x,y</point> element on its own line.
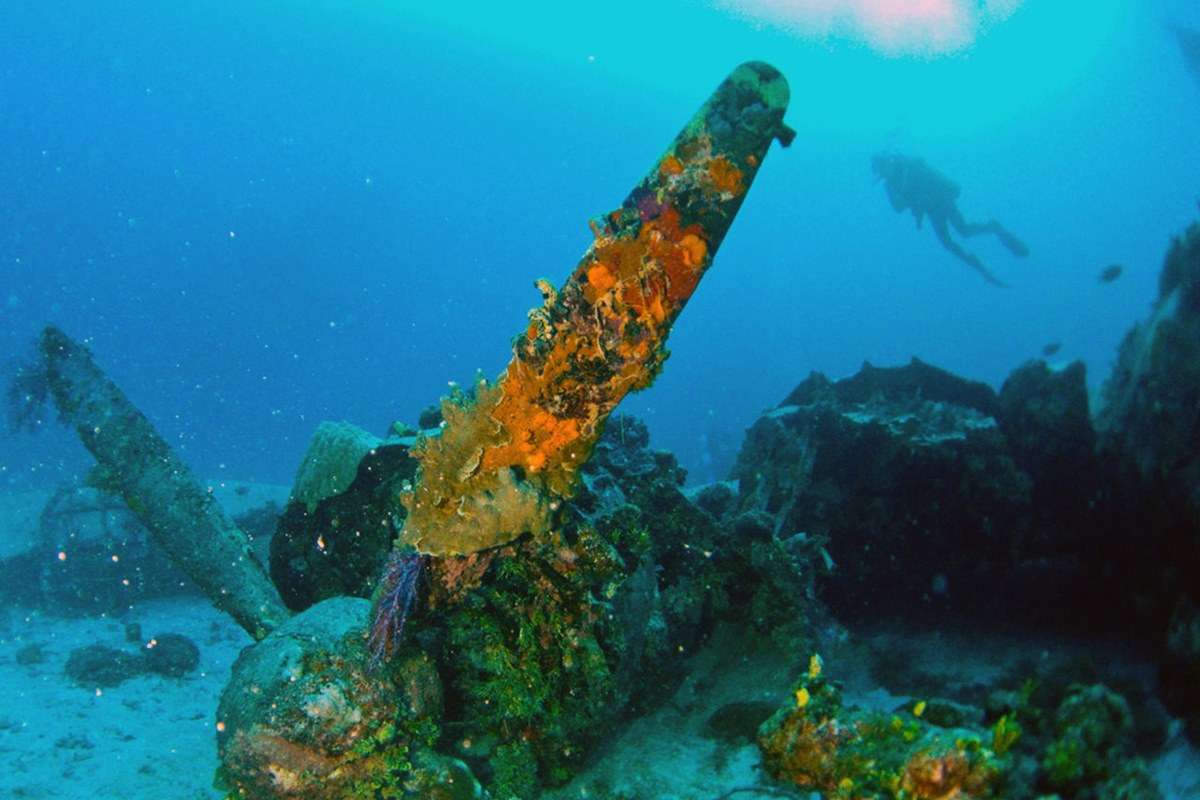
<point>522,607</point>
<point>467,608</point>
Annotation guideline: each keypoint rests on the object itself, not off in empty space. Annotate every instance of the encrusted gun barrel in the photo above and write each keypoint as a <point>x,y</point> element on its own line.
<point>511,450</point>
<point>159,488</point>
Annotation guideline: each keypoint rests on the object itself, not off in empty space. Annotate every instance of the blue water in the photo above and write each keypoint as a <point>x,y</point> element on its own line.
<point>260,216</point>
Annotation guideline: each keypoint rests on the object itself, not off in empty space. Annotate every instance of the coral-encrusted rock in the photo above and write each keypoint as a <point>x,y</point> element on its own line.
<point>1093,728</point>
<point>683,569</point>
<point>650,483</point>
<point>905,475</point>
<point>331,463</point>
<point>335,533</point>
<point>1043,413</point>
<point>1149,413</point>
<point>97,665</point>
<point>171,654</point>
<point>717,499</point>
<point>567,633</point>
<point>1149,430</point>
<point>1079,526</point>
<point>547,642</point>
<point>818,743</point>
<point>437,777</point>
<point>303,715</point>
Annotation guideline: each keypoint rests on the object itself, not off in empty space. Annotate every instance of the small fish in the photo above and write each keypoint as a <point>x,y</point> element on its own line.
<point>1051,348</point>
<point>1111,273</point>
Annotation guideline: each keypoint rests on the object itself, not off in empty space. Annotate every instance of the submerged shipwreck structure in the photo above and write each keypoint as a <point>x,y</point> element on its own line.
<point>465,609</point>
<point>332,702</point>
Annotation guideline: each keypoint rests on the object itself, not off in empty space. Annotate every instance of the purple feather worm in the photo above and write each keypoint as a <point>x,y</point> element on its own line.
<point>398,592</point>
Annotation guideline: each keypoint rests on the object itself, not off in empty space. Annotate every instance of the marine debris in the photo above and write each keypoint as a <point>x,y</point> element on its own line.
<point>303,717</point>
<point>137,464</point>
<point>335,532</point>
<point>510,451</point>
<point>550,610</point>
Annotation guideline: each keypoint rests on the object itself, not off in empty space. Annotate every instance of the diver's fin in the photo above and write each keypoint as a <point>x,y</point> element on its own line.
<point>987,274</point>
<point>1014,245</point>
<point>977,265</point>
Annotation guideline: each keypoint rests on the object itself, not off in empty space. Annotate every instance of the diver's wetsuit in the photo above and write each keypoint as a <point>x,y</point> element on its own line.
<point>915,186</point>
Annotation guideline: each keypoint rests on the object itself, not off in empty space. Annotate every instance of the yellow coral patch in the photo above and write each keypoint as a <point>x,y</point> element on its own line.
<point>461,506</point>
<point>815,664</point>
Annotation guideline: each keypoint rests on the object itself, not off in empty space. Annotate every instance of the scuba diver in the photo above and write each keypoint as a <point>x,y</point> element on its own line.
<point>915,186</point>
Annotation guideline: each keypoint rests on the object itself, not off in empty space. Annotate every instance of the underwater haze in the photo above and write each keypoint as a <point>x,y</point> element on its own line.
<point>264,215</point>
<point>910,512</point>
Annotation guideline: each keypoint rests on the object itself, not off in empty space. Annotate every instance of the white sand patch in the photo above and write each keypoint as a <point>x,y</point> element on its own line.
<point>150,737</point>
<point>666,755</point>
<point>1177,770</point>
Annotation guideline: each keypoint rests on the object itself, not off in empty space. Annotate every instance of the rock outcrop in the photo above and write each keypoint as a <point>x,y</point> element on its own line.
<point>1149,436</point>
<point>930,493</point>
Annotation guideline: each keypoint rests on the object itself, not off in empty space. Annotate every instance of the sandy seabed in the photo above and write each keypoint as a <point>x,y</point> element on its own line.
<point>154,737</point>
<point>150,737</point>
